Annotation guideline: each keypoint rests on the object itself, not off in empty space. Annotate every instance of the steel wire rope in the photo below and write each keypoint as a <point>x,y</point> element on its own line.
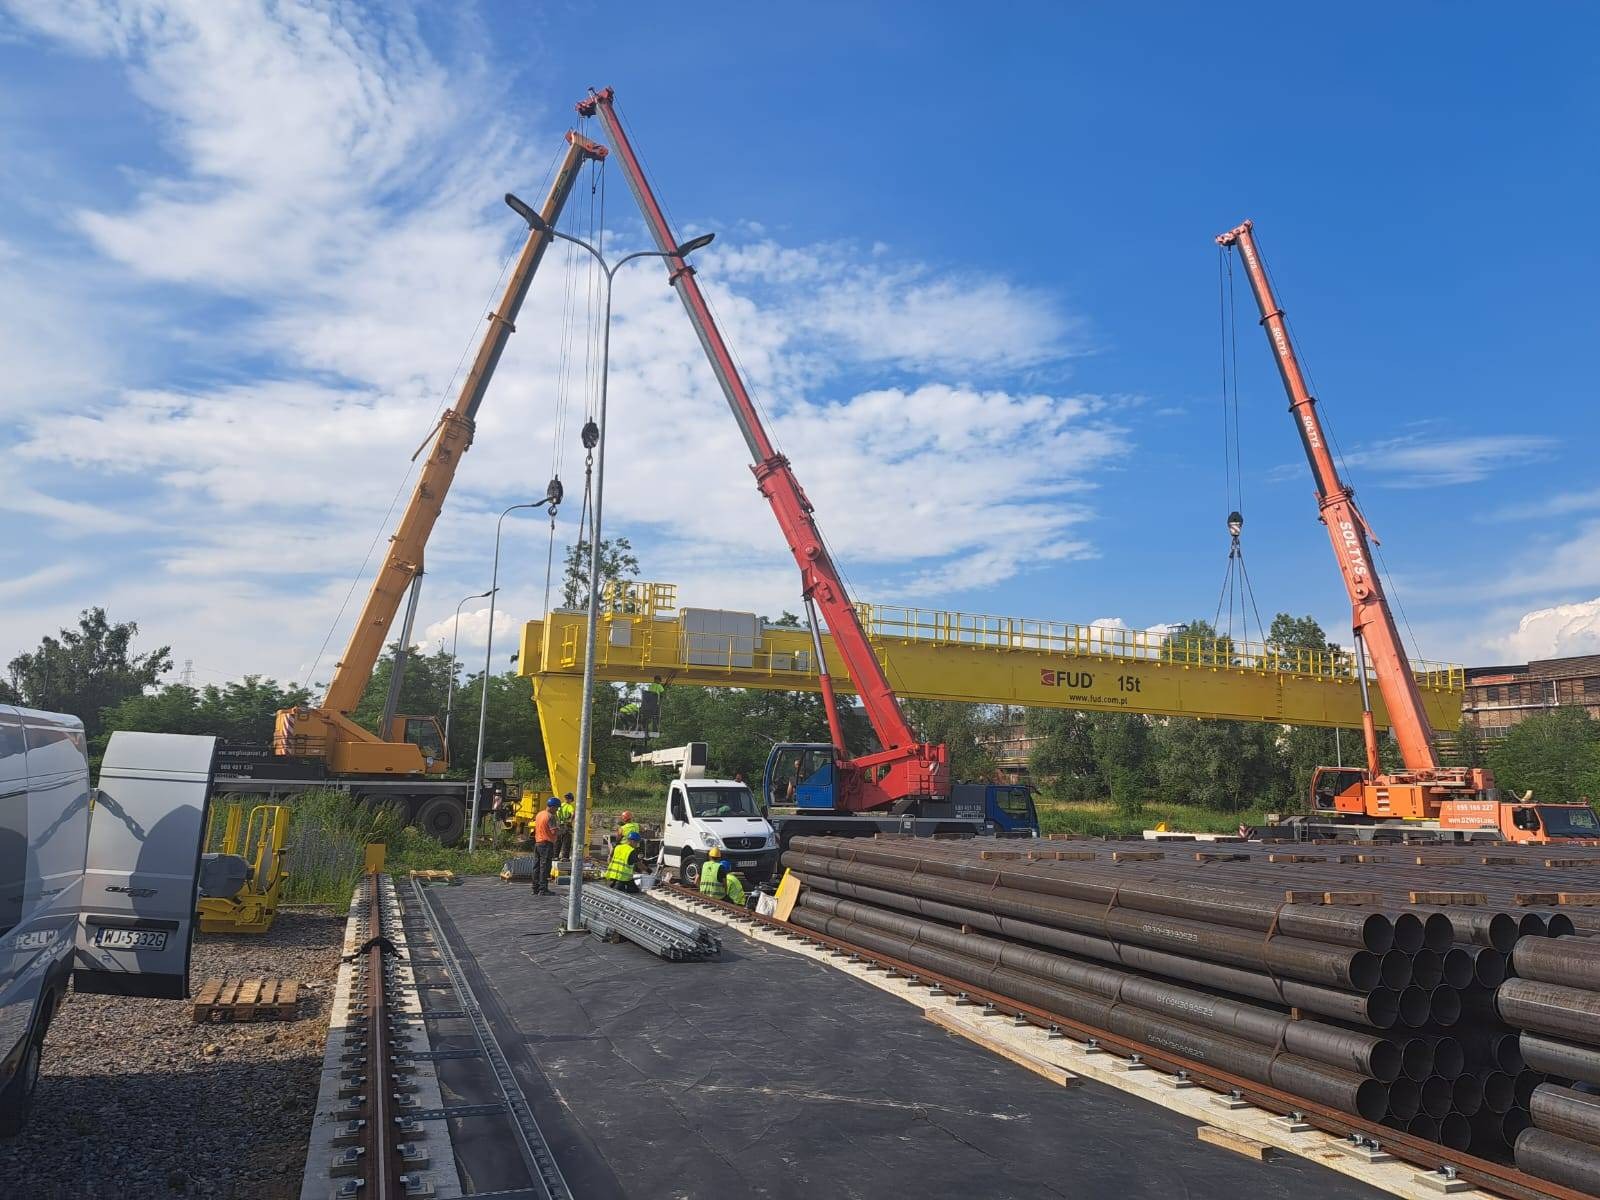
<point>444,403</point>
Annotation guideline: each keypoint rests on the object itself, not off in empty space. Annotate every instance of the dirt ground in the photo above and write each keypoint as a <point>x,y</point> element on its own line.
<point>136,1100</point>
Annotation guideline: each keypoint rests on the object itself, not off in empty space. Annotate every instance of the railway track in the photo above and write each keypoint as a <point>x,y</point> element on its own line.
<point>1449,1164</point>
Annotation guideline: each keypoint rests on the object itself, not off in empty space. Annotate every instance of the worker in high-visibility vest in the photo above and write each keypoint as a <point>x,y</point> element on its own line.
<point>628,825</point>
<point>711,875</point>
<point>619,871</point>
<point>564,816</point>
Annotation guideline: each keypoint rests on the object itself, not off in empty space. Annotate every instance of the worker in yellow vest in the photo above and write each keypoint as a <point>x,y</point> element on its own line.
<point>711,875</point>
<point>628,825</point>
<point>564,816</point>
<point>619,871</point>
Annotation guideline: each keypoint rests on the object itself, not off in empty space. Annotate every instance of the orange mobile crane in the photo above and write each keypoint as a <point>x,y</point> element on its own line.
<point>1454,802</point>
<point>403,763</point>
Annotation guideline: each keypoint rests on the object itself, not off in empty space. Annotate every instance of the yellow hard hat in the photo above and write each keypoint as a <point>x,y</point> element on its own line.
<point>716,852</point>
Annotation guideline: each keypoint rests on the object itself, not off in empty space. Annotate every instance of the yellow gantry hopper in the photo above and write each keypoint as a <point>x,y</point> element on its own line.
<point>935,655</point>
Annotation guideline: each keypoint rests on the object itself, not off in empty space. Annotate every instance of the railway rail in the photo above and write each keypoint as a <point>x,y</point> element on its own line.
<point>1429,1156</point>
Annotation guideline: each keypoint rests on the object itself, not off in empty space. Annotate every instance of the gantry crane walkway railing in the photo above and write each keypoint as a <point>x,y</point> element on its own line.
<point>935,655</point>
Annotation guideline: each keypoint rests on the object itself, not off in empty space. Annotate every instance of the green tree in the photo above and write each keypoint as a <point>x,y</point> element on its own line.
<point>617,565</point>
<point>87,670</point>
<point>1122,745</point>
<point>1063,757</point>
<point>1229,765</point>
<point>241,711</point>
<point>1304,748</point>
<point>1556,754</point>
<point>963,729</point>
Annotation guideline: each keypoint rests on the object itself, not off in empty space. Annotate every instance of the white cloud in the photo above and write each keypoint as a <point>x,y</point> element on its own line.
<point>1561,504</point>
<point>1419,460</point>
<point>331,182</point>
<point>1565,629</point>
<point>474,629</point>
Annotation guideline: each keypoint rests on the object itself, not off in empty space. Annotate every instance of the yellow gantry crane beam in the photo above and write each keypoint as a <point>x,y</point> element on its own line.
<point>934,655</point>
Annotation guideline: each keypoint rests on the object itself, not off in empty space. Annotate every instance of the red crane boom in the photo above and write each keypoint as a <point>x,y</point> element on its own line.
<point>903,768</point>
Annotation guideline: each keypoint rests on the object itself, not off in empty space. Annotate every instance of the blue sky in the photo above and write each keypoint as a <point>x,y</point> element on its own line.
<point>969,266</point>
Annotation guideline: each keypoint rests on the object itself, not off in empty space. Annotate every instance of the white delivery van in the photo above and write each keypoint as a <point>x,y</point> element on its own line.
<point>95,887</point>
<point>702,813</point>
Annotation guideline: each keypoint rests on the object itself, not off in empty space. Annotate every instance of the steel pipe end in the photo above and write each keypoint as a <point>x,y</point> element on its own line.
<point>1559,925</point>
<point>1417,1059</point>
<point>1455,1131</point>
<point>1409,932</point>
<point>1386,1061</point>
<point>1377,933</point>
<point>1532,924</point>
<point>1508,1054</point>
<point>1504,929</point>
<point>1437,1096</point>
<point>1499,1092</point>
<point>1405,1100</point>
<point>1458,968</point>
<point>1383,1008</point>
<point>1415,1007</point>
<point>1488,968</point>
<point>1438,932</point>
<point>1423,1126</point>
<point>1394,969</point>
<point>1466,1095</point>
<point>1427,968</point>
<point>1523,1086</point>
<point>1444,1006</point>
<point>1513,1123</point>
<point>1372,1099</point>
<point>1449,1058</point>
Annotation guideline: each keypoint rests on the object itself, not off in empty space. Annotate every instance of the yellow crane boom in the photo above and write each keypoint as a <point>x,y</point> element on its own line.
<point>935,655</point>
<point>328,731</point>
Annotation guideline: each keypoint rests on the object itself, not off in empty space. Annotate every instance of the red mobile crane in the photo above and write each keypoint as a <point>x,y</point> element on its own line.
<point>1457,800</point>
<point>904,771</point>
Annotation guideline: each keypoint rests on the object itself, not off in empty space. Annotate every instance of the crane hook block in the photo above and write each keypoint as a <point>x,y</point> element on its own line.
<point>590,435</point>
<point>554,492</point>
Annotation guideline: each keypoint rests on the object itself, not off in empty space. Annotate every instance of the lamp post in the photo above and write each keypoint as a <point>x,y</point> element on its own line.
<point>450,692</point>
<point>580,811</point>
<point>551,498</point>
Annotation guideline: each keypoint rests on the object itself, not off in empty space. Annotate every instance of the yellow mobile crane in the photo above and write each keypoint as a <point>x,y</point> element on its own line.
<point>930,654</point>
<point>321,745</point>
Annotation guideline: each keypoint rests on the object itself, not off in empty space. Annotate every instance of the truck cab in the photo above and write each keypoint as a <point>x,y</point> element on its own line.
<point>702,813</point>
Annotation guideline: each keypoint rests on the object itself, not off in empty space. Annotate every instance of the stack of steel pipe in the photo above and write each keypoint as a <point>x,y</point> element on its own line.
<point>1380,1007</point>
<point>1554,999</point>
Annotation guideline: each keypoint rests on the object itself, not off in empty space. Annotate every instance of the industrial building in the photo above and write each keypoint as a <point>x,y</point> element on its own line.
<point>1499,697</point>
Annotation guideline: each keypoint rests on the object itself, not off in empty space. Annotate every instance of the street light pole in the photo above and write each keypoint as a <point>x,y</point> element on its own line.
<point>580,813</point>
<point>488,651</point>
<point>450,692</point>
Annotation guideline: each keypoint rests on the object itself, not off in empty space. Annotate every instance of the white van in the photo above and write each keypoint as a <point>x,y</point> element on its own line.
<point>702,813</point>
<point>98,888</point>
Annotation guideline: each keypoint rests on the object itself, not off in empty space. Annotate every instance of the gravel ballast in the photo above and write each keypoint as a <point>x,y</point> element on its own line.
<point>136,1100</point>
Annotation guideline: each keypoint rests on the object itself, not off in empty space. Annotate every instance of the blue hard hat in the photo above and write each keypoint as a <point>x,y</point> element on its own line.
<point>633,835</point>
<point>552,803</point>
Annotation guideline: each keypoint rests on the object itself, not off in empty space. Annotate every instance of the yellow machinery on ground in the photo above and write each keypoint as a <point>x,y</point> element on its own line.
<point>645,637</point>
<point>250,854</point>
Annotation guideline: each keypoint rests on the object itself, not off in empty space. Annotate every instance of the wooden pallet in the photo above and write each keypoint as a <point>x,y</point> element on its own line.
<point>445,877</point>
<point>234,999</point>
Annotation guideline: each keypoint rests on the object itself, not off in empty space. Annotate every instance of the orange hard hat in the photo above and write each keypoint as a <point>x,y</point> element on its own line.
<point>626,817</point>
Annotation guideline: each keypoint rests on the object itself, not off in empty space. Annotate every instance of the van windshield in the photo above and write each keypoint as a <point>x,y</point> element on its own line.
<point>716,802</point>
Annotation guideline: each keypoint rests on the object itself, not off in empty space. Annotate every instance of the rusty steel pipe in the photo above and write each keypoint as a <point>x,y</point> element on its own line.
<point>1568,961</point>
<point>1562,1059</point>
<point>1313,962</point>
<point>1559,1159</point>
<point>1361,929</point>
<point>1344,1090</point>
<point>1360,1052</point>
<point>1380,1007</point>
<point>1563,1012</point>
<point>1571,1113</point>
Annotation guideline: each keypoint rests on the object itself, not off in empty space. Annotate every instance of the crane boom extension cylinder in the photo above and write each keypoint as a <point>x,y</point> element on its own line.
<point>404,558</point>
<point>904,768</point>
<point>1371,619</point>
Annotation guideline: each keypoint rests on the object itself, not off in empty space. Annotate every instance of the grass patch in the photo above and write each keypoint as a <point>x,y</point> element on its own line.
<point>1100,818</point>
<point>327,846</point>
